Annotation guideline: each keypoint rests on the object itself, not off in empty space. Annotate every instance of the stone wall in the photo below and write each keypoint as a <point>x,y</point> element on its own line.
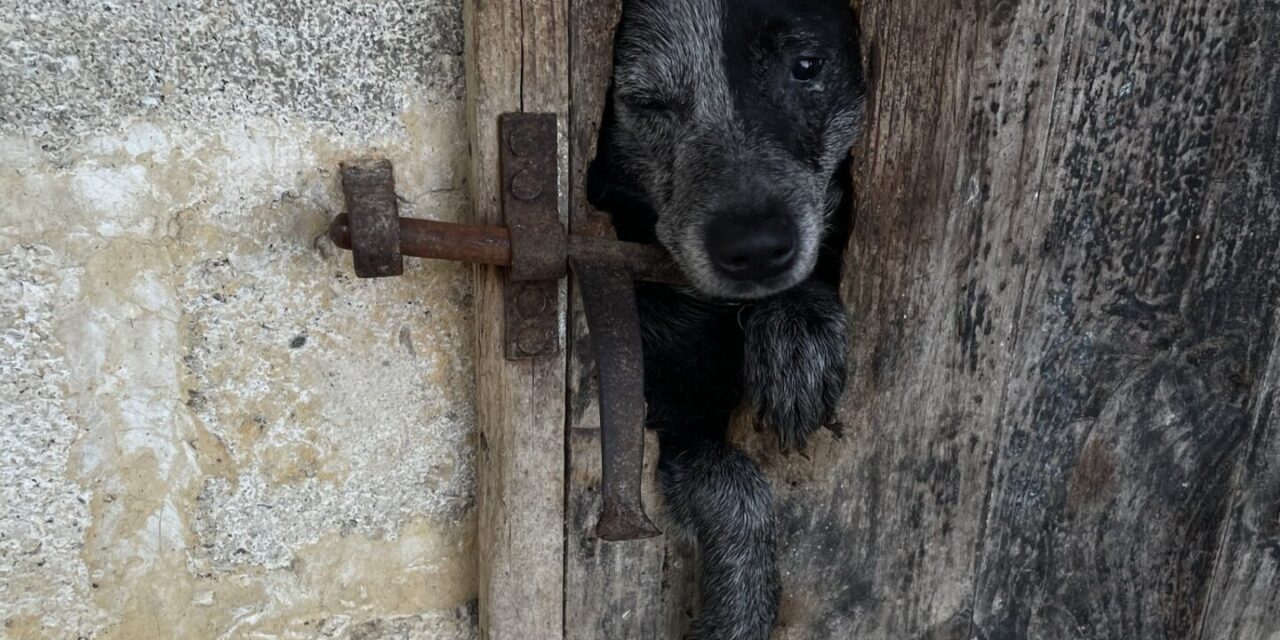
<point>208,427</point>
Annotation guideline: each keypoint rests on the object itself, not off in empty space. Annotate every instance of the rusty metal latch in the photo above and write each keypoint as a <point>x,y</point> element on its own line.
<point>537,253</point>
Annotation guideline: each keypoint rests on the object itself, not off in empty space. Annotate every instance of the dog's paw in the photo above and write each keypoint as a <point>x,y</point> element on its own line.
<point>796,361</point>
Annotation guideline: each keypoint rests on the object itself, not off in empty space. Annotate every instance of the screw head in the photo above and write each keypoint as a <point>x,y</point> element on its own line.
<point>523,141</point>
<point>531,302</point>
<point>533,341</point>
<point>525,186</point>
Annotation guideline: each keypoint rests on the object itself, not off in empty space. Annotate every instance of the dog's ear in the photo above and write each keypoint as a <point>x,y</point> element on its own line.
<point>604,182</point>
<point>611,188</point>
<point>599,179</point>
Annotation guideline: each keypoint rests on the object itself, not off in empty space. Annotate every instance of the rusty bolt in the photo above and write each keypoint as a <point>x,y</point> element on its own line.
<point>525,186</point>
<point>523,141</point>
<point>531,302</point>
<point>533,341</point>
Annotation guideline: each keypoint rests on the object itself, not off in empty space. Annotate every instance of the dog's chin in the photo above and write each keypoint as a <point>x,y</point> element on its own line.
<point>717,287</point>
<point>734,291</point>
<point>710,283</point>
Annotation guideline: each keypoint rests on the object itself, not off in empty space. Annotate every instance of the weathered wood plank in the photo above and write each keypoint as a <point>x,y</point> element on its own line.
<point>1144,324</point>
<point>517,53</point>
<point>879,530</point>
<point>1061,273</point>
<point>638,589</point>
<point>1245,601</point>
<point>1245,597</point>
<point>1060,420</point>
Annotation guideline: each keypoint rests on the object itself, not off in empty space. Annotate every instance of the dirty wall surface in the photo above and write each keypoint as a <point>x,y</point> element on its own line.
<point>208,427</point>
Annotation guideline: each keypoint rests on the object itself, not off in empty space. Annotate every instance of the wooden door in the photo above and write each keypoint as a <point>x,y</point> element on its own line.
<point>542,572</point>
<point>1063,283</point>
<point>517,61</point>
<point>1063,278</point>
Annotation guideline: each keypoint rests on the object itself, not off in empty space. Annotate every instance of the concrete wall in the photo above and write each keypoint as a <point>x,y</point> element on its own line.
<point>208,427</point>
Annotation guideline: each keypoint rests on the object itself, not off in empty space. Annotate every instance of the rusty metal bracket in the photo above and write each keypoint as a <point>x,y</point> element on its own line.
<point>530,207</point>
<point>531,196</point>
<point>609,300</point>
<point>370,189</point>
<point>537,253</point>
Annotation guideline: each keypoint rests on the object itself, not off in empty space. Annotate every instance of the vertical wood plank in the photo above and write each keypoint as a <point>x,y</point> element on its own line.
<point>1245,597</point>
<point>1145,325</point>
<point>517,58</point>
<point>1245,600</point>
<point>636,589</point>
<point>1060,278</point>
<point>879,529</point>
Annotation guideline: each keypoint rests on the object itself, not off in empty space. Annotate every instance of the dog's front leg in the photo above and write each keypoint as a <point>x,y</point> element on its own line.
<point>796,360</point>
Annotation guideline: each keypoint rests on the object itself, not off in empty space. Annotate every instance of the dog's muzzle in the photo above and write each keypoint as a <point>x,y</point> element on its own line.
<point>752,248</point>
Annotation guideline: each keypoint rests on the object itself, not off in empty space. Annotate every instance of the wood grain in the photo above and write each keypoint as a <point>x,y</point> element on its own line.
<point>1245,593</point>
<point>1063,275</point>
<point>517,54</point>
<point>1245,596</point>
<point>1146,325</point>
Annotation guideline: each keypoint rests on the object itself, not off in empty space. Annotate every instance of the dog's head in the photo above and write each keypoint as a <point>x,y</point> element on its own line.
<point>725,124</point>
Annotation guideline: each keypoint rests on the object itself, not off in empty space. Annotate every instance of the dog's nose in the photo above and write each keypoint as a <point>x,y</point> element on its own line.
<point>752,247</point>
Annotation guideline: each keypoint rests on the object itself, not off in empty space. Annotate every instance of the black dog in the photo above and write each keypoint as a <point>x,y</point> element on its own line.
<point>726,139</point>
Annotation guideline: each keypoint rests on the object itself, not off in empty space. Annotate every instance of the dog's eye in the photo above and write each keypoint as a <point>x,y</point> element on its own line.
<point>806,69</point>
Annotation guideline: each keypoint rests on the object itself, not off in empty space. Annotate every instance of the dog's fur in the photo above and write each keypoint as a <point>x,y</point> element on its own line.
<point>708,118</point>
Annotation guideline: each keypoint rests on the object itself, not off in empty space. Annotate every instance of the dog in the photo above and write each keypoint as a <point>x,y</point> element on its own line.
<point>726,138</point>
